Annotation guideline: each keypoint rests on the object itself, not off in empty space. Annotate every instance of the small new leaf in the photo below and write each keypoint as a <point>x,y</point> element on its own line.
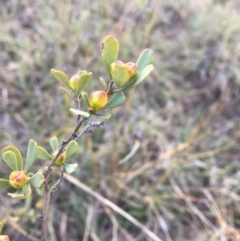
<point>85,98</point>
<point>103,83</point>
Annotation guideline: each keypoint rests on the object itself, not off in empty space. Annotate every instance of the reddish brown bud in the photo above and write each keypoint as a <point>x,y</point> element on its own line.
<point>132,70</point>
<point>98,100</point>
<point>4,238</point>
<point>18,179</point>
<point>60,160</point>
<point>123,73</point>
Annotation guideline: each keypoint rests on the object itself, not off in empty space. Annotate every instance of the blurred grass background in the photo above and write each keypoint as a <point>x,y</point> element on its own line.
<point>182,180</point>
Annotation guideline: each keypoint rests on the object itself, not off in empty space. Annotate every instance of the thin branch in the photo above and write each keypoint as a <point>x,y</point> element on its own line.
<point>87,129</point>
<point>47,192</point>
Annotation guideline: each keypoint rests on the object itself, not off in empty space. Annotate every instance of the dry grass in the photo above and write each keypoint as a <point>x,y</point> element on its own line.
<point>169,157</point>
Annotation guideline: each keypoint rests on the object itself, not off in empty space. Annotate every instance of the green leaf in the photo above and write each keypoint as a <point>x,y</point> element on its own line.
<point>110,49</point>
<point>23,193</point>
<point>43,154</point>
<point>145,59</point>
<point>85,98</point>
<point>17,154</point>
<point>71,148</point>
<point>54,143</point>
<point>65,91</point>
<point>37,179</point>
<point>61,76</point>
<point>117,99</point>
<point>121,73</point>
<point>4,184</point>
<point>140,77</point>
<point>11,160</point>
<point>79,112</point>
<point>70,168</point>
<point>83,81</point>
<point>31,154</point>
<point>103,83</point>
<point>103,115</point>
<point>1,227</point>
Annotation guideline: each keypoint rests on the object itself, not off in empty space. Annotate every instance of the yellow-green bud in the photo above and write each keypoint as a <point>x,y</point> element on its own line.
<point>4,238</point>
<point>73,81</point>
<point>123,73</point>
<point>97,100</point>
<point>132,70</point>
<point>75,78</point>
<point>60,160</point>
<point>18,179</point>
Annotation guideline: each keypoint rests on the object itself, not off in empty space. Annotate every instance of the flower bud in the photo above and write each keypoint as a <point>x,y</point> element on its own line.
<point>97,100</point>
<point>60,160</point>
<point>18,179</point>
<point>4,238</point>
<point>123,73</point>
<point>133,70</point>
<point>73,81</point>
<point>75,78</point>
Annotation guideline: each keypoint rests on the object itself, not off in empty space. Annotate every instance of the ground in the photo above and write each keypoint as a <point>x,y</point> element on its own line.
<point>181,125</point>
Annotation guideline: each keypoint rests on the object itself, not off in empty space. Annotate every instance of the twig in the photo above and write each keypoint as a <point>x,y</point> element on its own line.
<point>112,206</point>
<point>87,129</point>
<point>47,191</point>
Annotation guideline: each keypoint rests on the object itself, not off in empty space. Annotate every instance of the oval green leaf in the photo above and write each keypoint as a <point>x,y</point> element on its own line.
<point>103,115</point>
<point>4,184</point>
<point>37,180</point>
<point>145,59</point>
<point>43,154</point>
<point>31,154</point>
<point>61,76</point>
<point>117,99</point>
<point>17,154</point>
<point>70,168</point>
<point>82,82</point>
<point>10,159</point>
<point>71,148</point>
<point>54,143</point>
<point>110,50</point>
<point>139,79</point>
<point>79,112</point>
